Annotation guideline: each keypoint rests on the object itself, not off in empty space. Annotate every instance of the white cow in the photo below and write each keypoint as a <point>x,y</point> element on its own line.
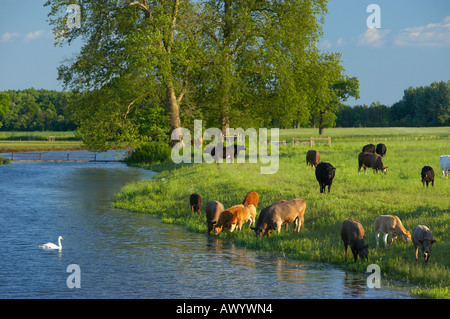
<point>444,161</point>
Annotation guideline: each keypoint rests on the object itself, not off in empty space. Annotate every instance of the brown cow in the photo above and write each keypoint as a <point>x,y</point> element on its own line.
<point>247,213</point>
<point>392,226</point>
<point>279,213</point>
<point>227,219</point>
<point>213,210</point>
<point>312,158</point>
<point>352,234</point>
<point>372,160</point>
<point>196,202</point>
<point>251,198</point>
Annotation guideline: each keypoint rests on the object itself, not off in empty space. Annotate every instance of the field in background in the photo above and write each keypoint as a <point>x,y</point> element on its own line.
<point>38,141</point>
<point>361,196</point>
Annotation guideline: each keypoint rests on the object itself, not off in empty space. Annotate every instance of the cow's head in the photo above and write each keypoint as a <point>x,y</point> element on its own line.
<point>426,247</point>
<point>406,236</point>
<point>384,169</point>
<point>364,252</point>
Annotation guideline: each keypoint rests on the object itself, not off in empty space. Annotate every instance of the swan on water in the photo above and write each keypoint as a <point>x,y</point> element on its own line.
<point>52,245</point>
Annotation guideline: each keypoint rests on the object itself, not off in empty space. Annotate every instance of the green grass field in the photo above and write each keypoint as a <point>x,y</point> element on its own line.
<point>361,196</point>
<point>38,141</point>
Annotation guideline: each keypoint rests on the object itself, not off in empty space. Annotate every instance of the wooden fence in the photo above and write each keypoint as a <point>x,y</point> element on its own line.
<point>311,141</point>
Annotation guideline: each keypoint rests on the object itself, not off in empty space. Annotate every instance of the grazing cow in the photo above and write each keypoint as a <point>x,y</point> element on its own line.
<point>251,198</point>
<point>227,151</point>
<point>279,213</point>
<point>423,238</point>
<point>213,210</point>
<point>245,214</point>
<point>369,148</point>
<point>427,175</point>
<point>196,202</point>
<point>381,149</point>
<point>352,234</point>
<point>312,158</point>
<point>444,162</point>
<point>392,226</point>
<point>325,174</point>
<point>372,160</point>
<point>227,219</point>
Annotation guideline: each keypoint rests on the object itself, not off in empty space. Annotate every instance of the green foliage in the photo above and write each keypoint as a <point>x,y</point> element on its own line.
<point>35,110</point>
<point>151,152</point>
<point>362,196</point>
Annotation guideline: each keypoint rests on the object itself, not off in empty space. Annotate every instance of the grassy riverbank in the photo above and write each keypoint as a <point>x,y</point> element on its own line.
<point>363,196</point>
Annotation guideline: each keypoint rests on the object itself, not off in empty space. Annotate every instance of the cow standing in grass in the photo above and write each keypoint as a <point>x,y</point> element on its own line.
<point>371,160</point>
<point>325,174</point>
<point>427,175</point>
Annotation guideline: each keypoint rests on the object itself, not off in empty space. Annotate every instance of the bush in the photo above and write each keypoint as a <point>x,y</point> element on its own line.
<point>151,152</point>
<point>4,160</point>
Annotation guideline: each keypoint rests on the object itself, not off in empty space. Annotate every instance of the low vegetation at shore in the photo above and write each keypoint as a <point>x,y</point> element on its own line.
<point>360,196</point>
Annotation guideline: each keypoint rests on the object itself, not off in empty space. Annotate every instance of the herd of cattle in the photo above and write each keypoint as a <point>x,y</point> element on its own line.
<point>284,212</point>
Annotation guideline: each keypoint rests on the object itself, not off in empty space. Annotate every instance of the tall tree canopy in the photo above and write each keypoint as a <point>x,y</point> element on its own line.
<point>147,67</point>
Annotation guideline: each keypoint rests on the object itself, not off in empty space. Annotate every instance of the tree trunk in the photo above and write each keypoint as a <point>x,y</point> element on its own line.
<point>173,109</point>
<point>321,122</point>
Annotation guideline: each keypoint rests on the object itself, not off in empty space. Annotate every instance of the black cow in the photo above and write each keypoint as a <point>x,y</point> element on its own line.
<point>381,149</point>
<point>427,175</point>
<point>324,175</point>
<point>196,202</point>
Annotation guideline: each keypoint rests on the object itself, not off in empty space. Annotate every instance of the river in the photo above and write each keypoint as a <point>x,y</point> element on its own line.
<point>127,255</point>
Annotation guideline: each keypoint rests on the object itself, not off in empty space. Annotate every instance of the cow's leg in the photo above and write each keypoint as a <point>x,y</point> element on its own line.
<point>385,239</point>
<point>346,250</point>
<point>416,251</point>
<point>377,238</point>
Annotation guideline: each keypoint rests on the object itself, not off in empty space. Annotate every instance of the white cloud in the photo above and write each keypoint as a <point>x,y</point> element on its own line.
<point>7,36</point>
<point>373,37</point>
<point>340,42</point>
<point>430,35</point>
<point>35,35</point>
<point>325,44</point>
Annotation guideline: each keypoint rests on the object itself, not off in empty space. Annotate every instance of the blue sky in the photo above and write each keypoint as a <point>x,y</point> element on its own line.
<point>411,47</point>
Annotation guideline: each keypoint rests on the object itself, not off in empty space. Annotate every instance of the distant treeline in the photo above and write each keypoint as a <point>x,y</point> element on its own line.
<point>420,106</point>
<point>45,110</point>
<point>35,110</point>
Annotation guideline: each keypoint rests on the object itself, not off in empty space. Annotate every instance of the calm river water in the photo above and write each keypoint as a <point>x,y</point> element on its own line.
<point>126,255</point>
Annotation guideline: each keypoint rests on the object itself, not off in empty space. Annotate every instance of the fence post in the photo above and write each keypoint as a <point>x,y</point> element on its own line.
<point>311,142</point>
<point>329,140</point>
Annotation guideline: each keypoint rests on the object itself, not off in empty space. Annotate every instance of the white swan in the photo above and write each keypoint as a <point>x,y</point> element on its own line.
<point>52,245</point>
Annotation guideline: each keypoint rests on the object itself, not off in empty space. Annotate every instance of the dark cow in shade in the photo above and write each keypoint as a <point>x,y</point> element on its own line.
<point>196,202</point>
<point>422,238</point>
<point>381,149</point>
<point>369,148</point>
<point>213,210</point>
<point>312,158</point>
<point>325,174</point>
<point>427,175</point>
<point>352,234</point>
<point>372,160</point>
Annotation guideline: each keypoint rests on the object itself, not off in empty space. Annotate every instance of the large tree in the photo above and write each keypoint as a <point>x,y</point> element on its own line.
<point>135,55</point>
